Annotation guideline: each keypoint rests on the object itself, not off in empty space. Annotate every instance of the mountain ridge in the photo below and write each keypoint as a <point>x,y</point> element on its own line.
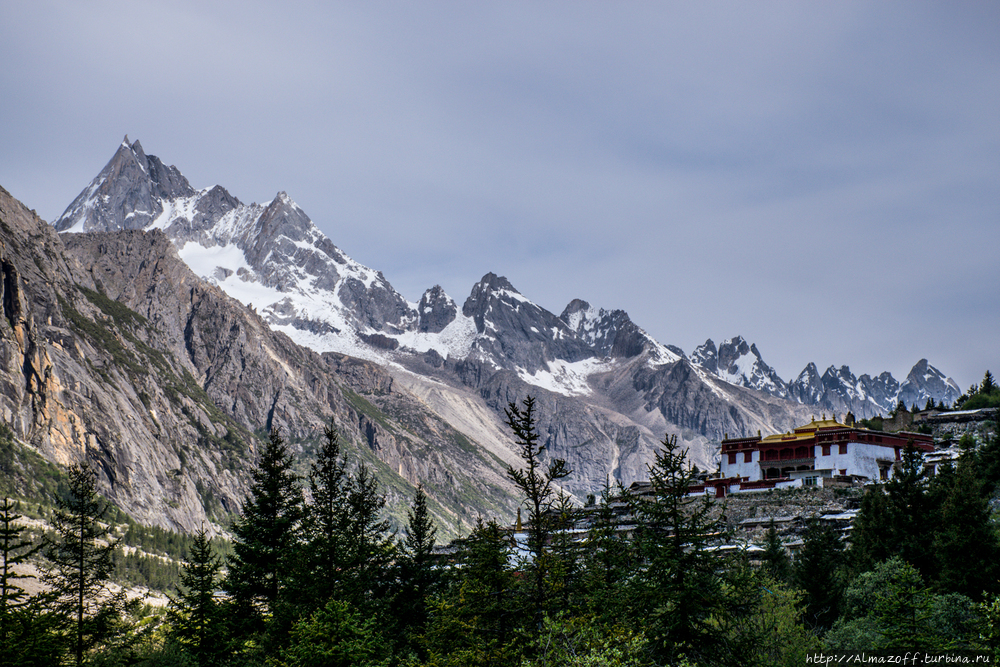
<point>612,390</point>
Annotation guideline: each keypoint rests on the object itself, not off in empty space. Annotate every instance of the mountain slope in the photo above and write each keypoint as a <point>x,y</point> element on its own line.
<point>115,352</point>
<point>607,390</point>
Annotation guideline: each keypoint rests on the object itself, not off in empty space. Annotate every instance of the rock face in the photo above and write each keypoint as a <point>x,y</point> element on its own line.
<point>836,391</point>
<point>926,382</point>
<point>607,392</point>
<point>114,352</point>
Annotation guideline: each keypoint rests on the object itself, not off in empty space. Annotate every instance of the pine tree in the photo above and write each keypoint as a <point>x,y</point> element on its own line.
<point>417,577</point>
<point>27,629</point>
<point>537,484</point>
<point>371,546</point>
<point>898,519</point>
<point>679,593</point>
<point>608,560</point>
<point>347,549</point>
<point>817,571</point>
<point>265,540</point>
<point>565,572</point>
<point>966,545</point>
<point>988,385</point>
<point>195,613</point>
<point>16,550</point>
<point>80,564</point>
<point>326,526</point>
<point>476,621</point>
<point>775,559</point>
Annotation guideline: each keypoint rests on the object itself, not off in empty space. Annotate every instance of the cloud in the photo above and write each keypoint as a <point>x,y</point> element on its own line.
<point>713,168</point>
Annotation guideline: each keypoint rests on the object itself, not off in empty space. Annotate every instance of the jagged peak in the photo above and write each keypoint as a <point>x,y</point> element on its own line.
<point>575,306</point>
<point>493,283</point>
<point>809,371</point>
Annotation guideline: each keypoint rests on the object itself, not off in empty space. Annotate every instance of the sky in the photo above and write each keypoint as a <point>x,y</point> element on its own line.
<point>820,178</point>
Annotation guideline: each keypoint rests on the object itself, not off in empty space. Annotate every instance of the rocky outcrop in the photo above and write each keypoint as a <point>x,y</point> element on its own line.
<point>607,391</point>
<point>114,352</point>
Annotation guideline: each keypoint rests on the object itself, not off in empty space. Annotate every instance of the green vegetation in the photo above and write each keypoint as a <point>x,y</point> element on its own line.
<point>329,583</point>
<point>984,395</point>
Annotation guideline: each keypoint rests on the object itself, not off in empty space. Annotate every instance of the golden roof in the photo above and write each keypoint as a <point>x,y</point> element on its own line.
<point>806,431</point>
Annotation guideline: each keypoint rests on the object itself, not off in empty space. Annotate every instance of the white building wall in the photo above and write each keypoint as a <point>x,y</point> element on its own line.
<point>861,459</point>
<point>740,468</point>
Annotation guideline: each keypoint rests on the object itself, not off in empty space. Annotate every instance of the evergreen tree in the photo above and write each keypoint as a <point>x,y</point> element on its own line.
<point>537,484</point>
<point>607,559</point>
<point>988,385</point>
<point>326,527</point>
<point>337,635</point>
<point>775,559</point>
<point>27,629</point>
<point>564,581</point>
<point>347,549</point>
<point>265,539</point>
<point>966,545</point>
<point>898,519</point>
<point>196,616</point>
<point>679,593</point>
<point>418,577</point>
<point>817,571</point>
<point>80,563</point>
<point>477,620</point>
<point>16,550</point>
<point>371,546</point>
<point>987,457</point>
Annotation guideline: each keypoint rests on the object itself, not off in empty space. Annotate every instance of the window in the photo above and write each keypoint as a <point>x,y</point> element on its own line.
<point>747,457</point>
<point>826,450</point>
<point>732,458</point>
<point>842,448</point>
<point>810,481</point>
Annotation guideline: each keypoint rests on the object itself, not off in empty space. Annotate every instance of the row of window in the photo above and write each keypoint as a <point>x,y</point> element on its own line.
<point>786,454</point>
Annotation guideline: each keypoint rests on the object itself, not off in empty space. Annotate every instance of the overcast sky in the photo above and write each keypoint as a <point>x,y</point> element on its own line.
<point>821,178</point>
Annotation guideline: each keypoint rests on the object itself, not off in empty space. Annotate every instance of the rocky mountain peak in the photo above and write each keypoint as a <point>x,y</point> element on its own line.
<point>127,194</point>
<point>435,311</point>
<point>706,355</point>
<point>739,363</point>
<point>492,290</point>
<point>924,382</point>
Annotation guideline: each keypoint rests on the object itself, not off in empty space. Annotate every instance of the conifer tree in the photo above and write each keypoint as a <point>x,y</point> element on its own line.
<point>988,385</point>
<point>477,620</point>
<point>371,545</point>
<point>80,563</point>
<point>417,577</point>
<point>898,519</point>
<point>607,559</point>
<point>817,570</point>
<point>196,615</point>
<point>679,593</point>
<point>15,550</point>
<point>966,545</point>
<point>326,527</point>
<point>265,540</point>
<point>27,628</point>
<point>537,483</point>
<point>775,560</point>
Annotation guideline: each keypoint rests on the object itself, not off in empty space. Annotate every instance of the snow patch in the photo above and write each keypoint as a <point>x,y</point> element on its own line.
<point>563,377</point>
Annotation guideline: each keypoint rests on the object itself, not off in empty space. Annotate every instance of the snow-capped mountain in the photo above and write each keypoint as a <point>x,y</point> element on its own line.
<point>607,390</point>
<point>926,382</point>
<point>741,364</point>
<point>837,390</point>
<point>273,257</point>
